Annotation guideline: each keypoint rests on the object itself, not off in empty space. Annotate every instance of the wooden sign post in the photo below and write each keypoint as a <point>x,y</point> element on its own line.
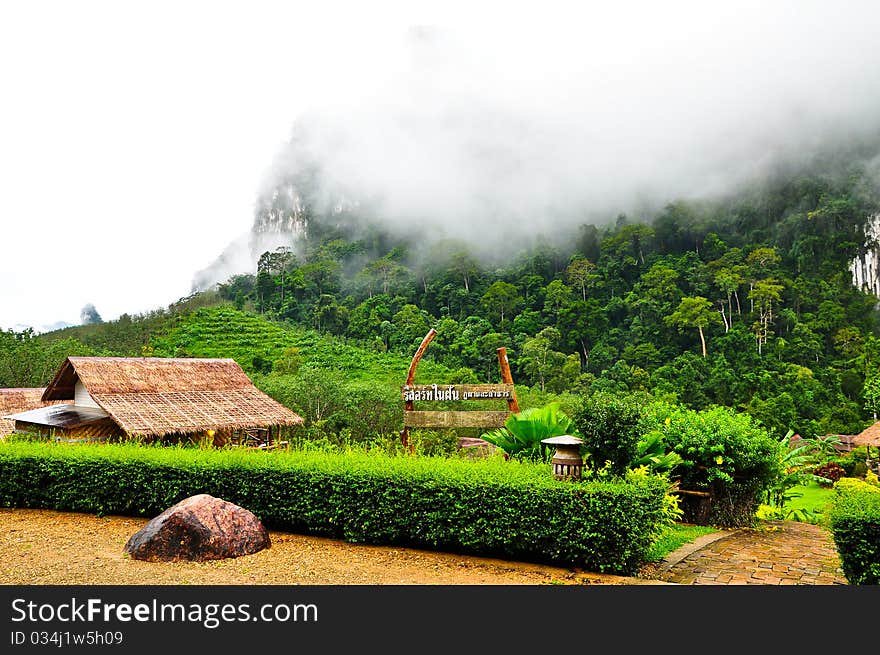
<point>410,393</point>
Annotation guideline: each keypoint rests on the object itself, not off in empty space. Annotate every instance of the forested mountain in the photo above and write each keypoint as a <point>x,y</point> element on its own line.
<point>745,300</point>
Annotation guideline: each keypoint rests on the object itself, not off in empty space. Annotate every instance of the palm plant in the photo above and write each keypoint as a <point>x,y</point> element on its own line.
<point>522,432</point>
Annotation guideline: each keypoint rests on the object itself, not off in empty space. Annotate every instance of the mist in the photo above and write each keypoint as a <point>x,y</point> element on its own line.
<point>494,136</point>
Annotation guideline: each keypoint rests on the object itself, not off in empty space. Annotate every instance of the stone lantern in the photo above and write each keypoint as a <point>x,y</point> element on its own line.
<point>567,461</point>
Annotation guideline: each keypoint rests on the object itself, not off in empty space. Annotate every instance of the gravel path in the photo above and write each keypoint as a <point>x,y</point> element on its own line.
<point>46,547</point>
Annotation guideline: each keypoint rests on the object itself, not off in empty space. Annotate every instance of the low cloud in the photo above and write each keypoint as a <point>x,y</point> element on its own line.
<point>492,136</point>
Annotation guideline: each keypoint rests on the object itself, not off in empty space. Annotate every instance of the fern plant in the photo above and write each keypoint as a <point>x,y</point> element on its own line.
<point>522,433</point>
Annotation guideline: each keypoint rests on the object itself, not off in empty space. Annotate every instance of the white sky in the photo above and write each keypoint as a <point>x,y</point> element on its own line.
<point>134,136</point>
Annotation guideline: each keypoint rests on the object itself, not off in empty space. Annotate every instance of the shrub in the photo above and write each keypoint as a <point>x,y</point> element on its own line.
<point>489,507</point>
<point>858,470</point>
<point>609,425</point>
<point>853,462</point>
<point>724,453</point>
<point>652,451</point>
<point>431,442</point>
<point>855,526</point>
<point>832,472</point>
<point>335,409</point>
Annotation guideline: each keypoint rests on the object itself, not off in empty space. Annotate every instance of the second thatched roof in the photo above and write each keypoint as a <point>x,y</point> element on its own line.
<point>155,396</point>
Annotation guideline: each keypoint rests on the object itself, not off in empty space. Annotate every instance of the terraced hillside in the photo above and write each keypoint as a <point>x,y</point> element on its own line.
<point>258,344</point>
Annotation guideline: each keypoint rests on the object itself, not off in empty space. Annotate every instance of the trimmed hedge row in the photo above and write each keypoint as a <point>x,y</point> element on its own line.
<point>855,525</point>
<point>486,507</point>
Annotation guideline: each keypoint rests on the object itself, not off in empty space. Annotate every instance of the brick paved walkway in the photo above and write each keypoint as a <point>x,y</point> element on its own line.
<point>778,553</point>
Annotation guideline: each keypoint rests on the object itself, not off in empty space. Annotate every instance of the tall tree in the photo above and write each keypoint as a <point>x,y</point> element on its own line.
<point>465,266</point>
<point>386,271</point>
<point>728,280</point>
<point>581,274</point>
<point>871,394</point>
<point>539,358</point>
<point>694,312</point>
<point>763,294</point>
<point>761,262</point>
<point>557,296</point>
<point>501,299</point>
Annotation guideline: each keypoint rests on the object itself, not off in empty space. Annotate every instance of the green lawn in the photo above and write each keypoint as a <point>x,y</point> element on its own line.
<point>812,497</point>
<point>674,537</point>
<point>810,503</point>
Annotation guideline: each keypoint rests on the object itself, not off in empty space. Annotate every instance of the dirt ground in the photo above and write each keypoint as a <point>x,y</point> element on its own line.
<point>40,547</point>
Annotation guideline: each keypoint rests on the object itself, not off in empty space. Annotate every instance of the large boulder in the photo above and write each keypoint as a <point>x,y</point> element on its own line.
<point>198,528</point>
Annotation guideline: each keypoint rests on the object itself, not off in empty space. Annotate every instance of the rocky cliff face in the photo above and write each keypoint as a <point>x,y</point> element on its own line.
<point>282,218</point>
<point>865,267</point>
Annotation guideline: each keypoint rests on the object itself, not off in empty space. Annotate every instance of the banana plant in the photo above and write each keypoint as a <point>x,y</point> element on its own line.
<point>795,468</point>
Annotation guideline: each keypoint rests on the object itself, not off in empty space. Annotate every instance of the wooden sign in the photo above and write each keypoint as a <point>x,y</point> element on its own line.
<point>410,393</point>
<point>471,419</point>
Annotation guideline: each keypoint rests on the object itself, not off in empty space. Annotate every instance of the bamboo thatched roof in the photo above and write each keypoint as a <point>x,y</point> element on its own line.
<point>155,396</point>
<point>13,401</point>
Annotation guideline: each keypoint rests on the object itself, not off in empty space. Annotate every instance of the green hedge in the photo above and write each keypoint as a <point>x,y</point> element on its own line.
<point>855,524</point>
<point>486,507</point>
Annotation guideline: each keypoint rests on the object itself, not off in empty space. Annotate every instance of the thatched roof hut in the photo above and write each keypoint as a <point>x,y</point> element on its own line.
<point>154,396</point>
<point>844,443</point>
<point>20,399</point>
<point>870,436</point>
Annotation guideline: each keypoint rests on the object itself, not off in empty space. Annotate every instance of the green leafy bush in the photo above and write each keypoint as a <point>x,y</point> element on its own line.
<point>334,408</point>
<point>724,453</point>
<point>487,507</point>
<point>522,432</point>
<point>853,462</point>
<point>609,425</point>
<point>855,526</point>
<point>857,470</point>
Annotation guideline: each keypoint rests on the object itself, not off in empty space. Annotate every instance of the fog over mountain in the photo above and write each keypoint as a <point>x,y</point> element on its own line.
<point>494,137</point>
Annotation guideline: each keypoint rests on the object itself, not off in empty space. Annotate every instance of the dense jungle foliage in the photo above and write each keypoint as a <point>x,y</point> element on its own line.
<point>746,302</point>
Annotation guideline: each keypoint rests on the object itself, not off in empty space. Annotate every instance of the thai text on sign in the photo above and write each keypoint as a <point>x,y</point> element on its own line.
<point>437,392</point>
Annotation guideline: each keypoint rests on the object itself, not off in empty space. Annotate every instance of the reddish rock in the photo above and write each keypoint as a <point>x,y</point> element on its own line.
<point>198,528</point>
